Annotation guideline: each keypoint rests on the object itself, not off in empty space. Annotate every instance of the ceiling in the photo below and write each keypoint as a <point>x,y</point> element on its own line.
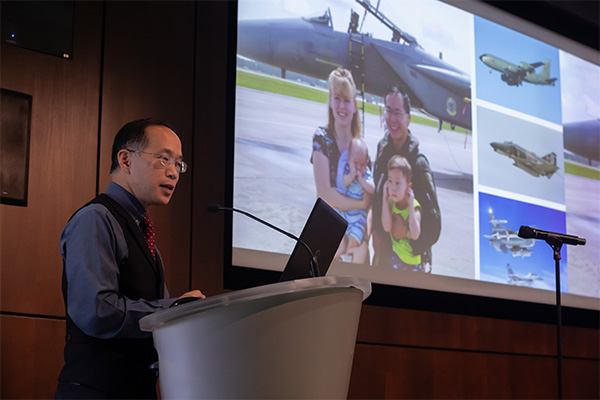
<point>575,19</point>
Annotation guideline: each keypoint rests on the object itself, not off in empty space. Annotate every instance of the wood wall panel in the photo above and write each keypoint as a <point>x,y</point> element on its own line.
<point>209,147</point>
<point>581,378</point>
<point>411,373</point>
<point>581,342</point>
<point>389,325</point>
<point>32,356</point>
<point>399,372</point>
<point>396,326</point>
<point>62,166</point>
<point>148,72</point>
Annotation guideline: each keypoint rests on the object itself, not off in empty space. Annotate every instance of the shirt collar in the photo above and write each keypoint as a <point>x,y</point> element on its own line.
<point>129,202</point>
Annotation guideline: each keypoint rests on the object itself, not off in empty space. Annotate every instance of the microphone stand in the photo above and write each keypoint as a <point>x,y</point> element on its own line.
<point>313,263</point>
<point>555,240</point>
<point>556,245</point>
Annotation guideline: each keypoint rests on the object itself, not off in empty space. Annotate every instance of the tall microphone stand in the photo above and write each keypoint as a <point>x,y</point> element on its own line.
<point>556,245</point>
<point>555,240</point>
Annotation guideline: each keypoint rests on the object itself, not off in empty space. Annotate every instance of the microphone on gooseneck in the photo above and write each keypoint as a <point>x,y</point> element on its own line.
<point>314,265</point>
<point>527,232</point>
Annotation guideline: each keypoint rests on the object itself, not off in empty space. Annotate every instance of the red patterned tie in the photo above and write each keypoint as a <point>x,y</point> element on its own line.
<point>148,231</point>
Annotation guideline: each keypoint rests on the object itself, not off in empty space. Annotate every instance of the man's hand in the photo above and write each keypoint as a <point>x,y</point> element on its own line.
<point>193,293</point>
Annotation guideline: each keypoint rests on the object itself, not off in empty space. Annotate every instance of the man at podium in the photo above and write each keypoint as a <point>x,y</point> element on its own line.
<point>113,272</point>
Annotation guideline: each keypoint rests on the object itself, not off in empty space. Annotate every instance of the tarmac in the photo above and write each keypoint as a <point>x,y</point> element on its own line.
<point>274,177</point>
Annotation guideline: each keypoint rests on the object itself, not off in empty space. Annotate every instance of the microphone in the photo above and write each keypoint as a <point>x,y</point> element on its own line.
<point>527,232</point>
<point>314,265</point>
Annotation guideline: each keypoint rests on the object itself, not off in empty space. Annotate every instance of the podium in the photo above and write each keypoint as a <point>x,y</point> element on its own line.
<point>286,340</point>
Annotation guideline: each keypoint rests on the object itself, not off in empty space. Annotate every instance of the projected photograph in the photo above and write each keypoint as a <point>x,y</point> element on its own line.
<point>520,156</point>
<point>507,258</point>
<point>517,72</point>
<point>581,118</point>
<point>286,52</point>
<point>310,121</point>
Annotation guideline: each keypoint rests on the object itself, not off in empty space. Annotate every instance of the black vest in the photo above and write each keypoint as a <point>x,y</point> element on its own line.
<point>117,367</point>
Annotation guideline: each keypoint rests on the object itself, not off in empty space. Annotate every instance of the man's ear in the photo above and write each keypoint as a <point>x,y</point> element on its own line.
<point>124,159</point>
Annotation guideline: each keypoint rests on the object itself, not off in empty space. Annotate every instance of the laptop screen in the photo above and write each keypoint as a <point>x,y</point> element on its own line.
<point>322,233</point>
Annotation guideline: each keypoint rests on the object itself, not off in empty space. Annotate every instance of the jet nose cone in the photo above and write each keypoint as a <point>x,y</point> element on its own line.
<point>483,57</point>
<point>254,39</point>
<point>494,145</point>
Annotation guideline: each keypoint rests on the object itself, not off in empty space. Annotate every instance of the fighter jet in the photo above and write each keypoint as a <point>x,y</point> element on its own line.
<point>312,47</point>
<point>504,239</point>
<point>527,160</point>
<point>514,75</point>
<point>583,138</point>
<point>527,280</point>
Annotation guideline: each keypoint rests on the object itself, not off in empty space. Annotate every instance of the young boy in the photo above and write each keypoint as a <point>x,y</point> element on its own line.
<point>401,214</point>
<point>356,179</point>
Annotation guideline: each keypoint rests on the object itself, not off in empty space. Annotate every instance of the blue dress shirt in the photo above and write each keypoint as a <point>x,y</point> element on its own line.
<point>93,245</point>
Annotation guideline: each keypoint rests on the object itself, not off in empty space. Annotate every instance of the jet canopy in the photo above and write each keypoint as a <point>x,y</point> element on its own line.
<point>324,19</point>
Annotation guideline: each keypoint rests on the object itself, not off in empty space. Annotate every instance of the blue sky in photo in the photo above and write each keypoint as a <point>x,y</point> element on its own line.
<point>541,261</point>
<point>498,170</point>
<point>539,101</point>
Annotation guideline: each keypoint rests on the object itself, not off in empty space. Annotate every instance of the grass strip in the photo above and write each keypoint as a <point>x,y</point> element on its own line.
<point>582,170</point>
<point>278,86</point>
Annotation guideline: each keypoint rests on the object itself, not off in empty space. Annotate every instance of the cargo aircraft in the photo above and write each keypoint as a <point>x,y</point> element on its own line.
<point>312,47</point>
<point>527,160</point>
<point>515,75</point>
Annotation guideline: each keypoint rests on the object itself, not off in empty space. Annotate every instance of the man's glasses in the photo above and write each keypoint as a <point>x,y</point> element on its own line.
<point>165,160</point>
<point>394,113</point>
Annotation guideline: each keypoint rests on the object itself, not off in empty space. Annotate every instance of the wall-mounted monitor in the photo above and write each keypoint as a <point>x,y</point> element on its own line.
<point>509,125</point>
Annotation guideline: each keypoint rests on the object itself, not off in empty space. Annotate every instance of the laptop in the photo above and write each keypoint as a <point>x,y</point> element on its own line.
<point>322,233</point>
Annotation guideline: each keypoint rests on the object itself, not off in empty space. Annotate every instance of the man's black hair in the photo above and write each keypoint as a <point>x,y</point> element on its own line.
<point>397,89</point>
<point>132,136</point>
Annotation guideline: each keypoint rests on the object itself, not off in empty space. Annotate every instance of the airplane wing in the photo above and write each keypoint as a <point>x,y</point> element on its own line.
<point>432,85</point>
<point>530,171</point>
<point>401,70</point>
<point>532,65</point>
<point>518,251</point>
<point>452,80</point>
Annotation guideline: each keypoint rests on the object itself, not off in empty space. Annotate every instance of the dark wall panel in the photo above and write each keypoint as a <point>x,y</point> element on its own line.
<point>418,354</point>
<point>404,372</point>
<point>389,325</point>
<point>413,373</point>
<point>209,145</point>
<point>62,166</point>
<point>32,356</point>
<point>148,72</point>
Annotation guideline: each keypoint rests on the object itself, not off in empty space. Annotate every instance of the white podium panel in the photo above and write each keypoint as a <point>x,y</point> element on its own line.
<point>288,340</point>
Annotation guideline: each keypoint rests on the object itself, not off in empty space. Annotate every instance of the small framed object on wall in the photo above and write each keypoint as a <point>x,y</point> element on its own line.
<point>15,126</point>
